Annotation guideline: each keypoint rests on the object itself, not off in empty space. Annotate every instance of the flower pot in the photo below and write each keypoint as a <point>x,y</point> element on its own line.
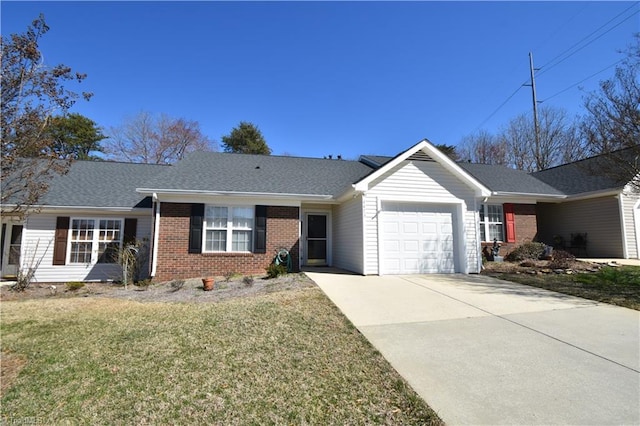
<point>207,283</point>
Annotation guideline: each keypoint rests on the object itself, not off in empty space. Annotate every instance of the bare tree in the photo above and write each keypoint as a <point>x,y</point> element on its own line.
<point>31,94</point>
<point>146,138</point>
<point>483,147</point>
<point>558,140</point>
<point>612,123</point>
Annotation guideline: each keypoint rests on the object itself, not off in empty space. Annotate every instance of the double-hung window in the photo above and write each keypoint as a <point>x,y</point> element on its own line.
<point>491,222</point>
<point>228,229</point>
<point>95,240</point>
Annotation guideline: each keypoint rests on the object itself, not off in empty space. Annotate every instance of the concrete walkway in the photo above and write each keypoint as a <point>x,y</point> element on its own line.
<point>484,351</point>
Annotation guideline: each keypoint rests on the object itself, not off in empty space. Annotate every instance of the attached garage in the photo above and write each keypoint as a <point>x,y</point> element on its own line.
<point>417,238</point>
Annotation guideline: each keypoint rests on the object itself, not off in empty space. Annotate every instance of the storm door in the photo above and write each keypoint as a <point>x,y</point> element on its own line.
<point>11,247</point>
<point>316,231</point>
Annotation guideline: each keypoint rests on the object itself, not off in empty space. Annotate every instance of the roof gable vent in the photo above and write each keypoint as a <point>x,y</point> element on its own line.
<point>420,156</point>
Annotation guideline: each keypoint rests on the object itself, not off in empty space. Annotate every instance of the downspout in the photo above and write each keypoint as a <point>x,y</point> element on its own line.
<point>156,234</point>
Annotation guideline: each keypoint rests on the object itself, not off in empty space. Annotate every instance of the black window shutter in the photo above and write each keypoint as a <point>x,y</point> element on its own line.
<point>261,229</point>
<point>130,226</point>
<point>60,240</point>
<point>195,228</point>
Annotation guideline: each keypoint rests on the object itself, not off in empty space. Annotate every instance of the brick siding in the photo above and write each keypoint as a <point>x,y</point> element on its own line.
<point>526,228</point>
<point>175,262</point>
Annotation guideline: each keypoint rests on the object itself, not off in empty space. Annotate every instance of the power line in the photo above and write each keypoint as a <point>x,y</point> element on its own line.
<point>561,27</point>
<point>581,81</point>
<point>550,65</point>
<point>500,106</point>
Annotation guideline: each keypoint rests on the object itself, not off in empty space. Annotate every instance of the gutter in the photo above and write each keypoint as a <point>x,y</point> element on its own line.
<point>528,194</point>
<point>273,195</point>
<point>45,208</point>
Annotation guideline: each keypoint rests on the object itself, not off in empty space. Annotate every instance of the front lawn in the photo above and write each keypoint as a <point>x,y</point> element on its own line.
<point>283,358</point>
<point>616,285</point>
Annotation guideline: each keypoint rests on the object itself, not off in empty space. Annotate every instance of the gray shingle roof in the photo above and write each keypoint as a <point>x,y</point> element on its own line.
<point>101,184</point>
<point>216,171</point>
<point>585,175</point>
<point>504,179</point>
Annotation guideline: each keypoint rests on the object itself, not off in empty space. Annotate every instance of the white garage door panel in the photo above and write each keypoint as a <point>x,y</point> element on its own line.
<point>417,238</point>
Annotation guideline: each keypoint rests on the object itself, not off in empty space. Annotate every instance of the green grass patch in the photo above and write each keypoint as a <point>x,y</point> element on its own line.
<point>283,358</point>
<point>616,285</point>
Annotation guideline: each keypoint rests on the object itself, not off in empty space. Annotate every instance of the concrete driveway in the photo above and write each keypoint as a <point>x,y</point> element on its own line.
<point>484,351</point>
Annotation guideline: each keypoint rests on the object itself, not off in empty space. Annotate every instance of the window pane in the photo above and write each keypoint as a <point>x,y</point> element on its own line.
<point>109,230</point>
<point>108,252</point>
<point>495,214</point>
<point>243,217</point>
<point>495,231</point>
<point>317,227</point>
<point>491,221</point>
<point>109,235</point>
<point>216,217</point>
<point>80,253</point>
<point>241,241</point>
<point>82,230</point>
<point>317,249</point>
<point>81,240</point>
<point>216,241</point>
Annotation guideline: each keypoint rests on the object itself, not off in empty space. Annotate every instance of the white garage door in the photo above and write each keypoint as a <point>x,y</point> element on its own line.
<point>417,239</point>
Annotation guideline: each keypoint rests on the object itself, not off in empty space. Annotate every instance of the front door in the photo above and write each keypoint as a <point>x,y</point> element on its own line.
<point>11,245</point>
<point>316,239</point>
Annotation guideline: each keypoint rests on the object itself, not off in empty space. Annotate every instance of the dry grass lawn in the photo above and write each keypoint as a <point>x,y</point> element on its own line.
<point>283,358</point>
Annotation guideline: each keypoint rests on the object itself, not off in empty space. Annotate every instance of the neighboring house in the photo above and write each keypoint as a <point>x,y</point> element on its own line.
<point>215,213</point>
<point>604,210</point>
<point>87,214</point>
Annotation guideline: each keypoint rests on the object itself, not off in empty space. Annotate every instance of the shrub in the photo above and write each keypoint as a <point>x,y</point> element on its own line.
<point>274,271</point>
<point>561,259</point>
<point>526,251</point>
<point>230,275</point>
<point>74,285</point>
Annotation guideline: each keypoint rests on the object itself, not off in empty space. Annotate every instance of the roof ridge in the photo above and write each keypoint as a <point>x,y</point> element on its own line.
<point>273,156</point>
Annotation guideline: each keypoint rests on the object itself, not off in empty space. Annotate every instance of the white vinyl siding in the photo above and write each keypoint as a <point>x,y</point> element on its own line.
<point>39,233</point>
<point>629,201</point>
<point>347,235</point>
<point>599,218</point>
<point>422,182</point>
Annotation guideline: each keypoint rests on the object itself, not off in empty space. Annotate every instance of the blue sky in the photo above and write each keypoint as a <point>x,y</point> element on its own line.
<point>322,78</point>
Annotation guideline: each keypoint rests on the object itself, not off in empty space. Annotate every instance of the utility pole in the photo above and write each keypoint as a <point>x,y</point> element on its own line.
<point>536,127</point>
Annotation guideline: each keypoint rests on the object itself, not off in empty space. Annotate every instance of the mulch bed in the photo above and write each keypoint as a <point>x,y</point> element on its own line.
<point>190,290</point>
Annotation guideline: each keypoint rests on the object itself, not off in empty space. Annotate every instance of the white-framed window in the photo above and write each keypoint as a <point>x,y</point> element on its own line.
<point>228,228</point>
<point>491,222</point>
<point>94,240</point>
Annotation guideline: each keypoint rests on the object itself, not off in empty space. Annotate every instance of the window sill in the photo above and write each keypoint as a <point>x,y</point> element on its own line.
<point>228,254</point>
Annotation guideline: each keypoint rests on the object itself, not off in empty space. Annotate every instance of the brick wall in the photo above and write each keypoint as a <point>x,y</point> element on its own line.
<point>175,262</point>
<point>526,228</point>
